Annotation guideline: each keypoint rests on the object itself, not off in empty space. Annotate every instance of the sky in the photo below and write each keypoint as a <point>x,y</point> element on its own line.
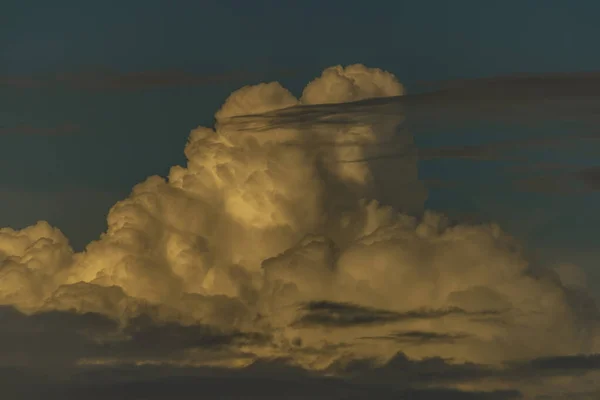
<point>452,254</point>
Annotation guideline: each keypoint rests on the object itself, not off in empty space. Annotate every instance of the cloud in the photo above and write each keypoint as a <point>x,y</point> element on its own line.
<point>19,82</point>
<point>488,151</point>
<point>40,351</point>
<point>568,363</point>
<point>268,382</point>
<point>557,179</point>
<point>421,337</point>
<point>65,339</point>
<point>546,377</point>
<point>539,78</point>
<point>590,176</point>
<point>344,315</point>
<point>49,340</point>
<point>65,129</point>
<point>532,99</point>
<point>256,252</point>
<point>564,180</point>
<point>109,79</point>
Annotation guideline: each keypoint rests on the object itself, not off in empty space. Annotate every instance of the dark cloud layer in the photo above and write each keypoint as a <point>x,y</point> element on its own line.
<point>421,337</point>
<point>331,314</point>
<point>497,150</point>
<point>539,100</point>
<point>568,363</point>
<point>515,99</point>
<point>590,176</point>
<point>561,180</point>
<point>63,338</point>
<point>239,385</point>
<point>32,348</point>
<point>65,129</point>
<point>109,79</point>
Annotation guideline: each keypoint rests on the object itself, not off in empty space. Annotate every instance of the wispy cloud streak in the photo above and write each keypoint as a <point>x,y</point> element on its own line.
<point>65,129</point>
<point>516,99</point>
<point>111,80</point>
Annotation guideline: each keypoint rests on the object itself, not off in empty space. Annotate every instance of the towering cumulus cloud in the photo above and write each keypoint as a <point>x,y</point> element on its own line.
<point>268,241</point>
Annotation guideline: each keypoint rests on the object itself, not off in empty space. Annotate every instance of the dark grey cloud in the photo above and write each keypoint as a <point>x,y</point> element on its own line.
<point>410,373</point>
<point>405,372</point>
<point>421,337</point>
<point>561,180</point>
<point>332,314</point>
<point>481,152</point>
<point>63,338</point>
<point>50,338</point>
<point>425,86</point>
<point>546,185</point>
<point>265,382</point>
<point>146,338</point>
<point>40,354</point>
<point>64,129</point>
<point>572,364</point>
<point>516,99</point>
<point>590,176</point>
<point>110,79</point>
<point>541,178</point>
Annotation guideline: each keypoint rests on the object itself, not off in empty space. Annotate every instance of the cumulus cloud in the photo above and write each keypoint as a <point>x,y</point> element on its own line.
<point>258,250</point>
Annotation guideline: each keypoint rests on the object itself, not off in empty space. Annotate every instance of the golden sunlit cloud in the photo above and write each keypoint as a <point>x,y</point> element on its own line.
<point>283,252</point>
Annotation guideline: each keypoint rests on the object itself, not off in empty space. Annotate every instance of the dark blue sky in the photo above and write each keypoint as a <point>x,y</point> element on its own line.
<point>420,39</point>
<point>113,138</point>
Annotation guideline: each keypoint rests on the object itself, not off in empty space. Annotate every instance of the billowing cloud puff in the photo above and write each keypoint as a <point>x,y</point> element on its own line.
<point>353,83</point>
<point>32,264</point>
<point>270,235</point>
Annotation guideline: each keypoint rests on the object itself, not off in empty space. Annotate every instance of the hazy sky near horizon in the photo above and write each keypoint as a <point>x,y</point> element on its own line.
<point>97,97</point>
